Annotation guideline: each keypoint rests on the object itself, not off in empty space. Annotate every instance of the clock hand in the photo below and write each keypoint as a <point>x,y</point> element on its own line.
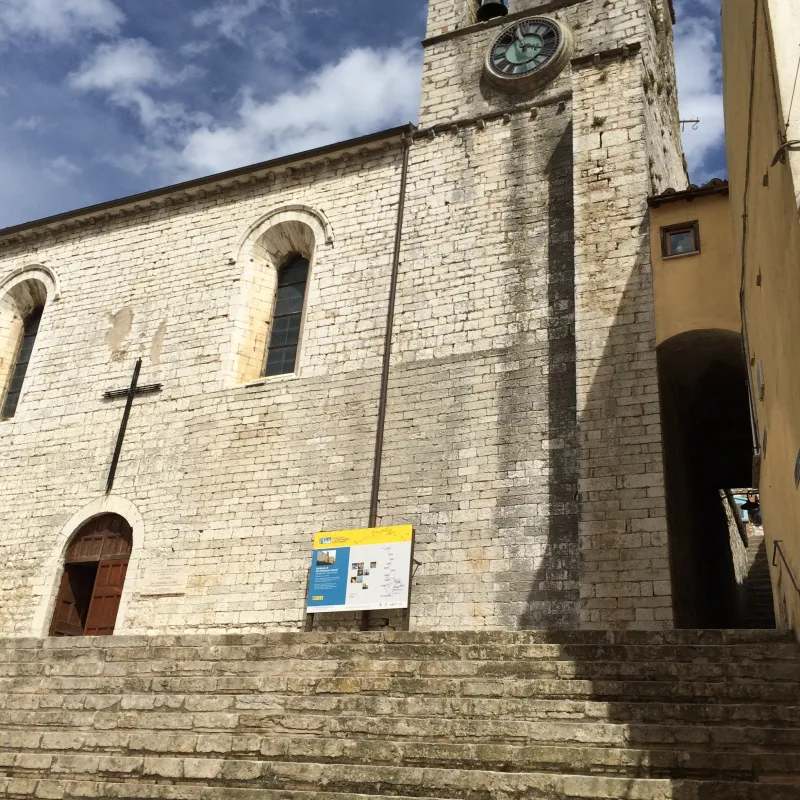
<point>522,41</point>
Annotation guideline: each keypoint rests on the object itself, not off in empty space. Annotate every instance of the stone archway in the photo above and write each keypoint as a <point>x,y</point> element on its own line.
<point>93,578</point>
<point>261,251</point>
<point>708,447</point>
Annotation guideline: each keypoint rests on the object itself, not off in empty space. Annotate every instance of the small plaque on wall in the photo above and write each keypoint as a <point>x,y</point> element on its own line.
<point>164,581</point>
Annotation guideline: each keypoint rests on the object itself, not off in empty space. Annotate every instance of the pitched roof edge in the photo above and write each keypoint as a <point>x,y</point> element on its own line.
<point>220,178</point>
<point>714,186</point>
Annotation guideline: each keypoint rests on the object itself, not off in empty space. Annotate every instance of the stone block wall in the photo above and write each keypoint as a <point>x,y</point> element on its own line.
<point>481,424</point>
<point>522,434</point>
<point>625,144</point>
<point>231,483</point>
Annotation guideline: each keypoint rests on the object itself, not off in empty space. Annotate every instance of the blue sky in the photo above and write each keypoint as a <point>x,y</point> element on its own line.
<point>104,98</point>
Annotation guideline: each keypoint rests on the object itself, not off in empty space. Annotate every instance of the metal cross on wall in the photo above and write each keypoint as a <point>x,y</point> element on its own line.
<point>133,391</point>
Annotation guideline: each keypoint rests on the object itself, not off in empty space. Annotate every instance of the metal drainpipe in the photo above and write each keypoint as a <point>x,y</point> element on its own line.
<point>387,350</point>
<point>745,220</point>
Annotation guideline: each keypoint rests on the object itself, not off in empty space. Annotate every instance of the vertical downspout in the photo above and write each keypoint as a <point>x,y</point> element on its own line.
<point>387,351</point>
<point>387,342</point>
<point>745,340</point>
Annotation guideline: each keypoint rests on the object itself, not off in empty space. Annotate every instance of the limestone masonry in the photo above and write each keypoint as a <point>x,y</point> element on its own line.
<point>522,431</point>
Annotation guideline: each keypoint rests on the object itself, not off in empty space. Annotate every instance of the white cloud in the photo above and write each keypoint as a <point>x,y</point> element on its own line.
<point>268,35</point>
<point>125,71</point>
<point>29,124</point>
<point>364,92</point>
<point>61,169</point>
<point>699,67</point>
<point>228,16</point>
<point>194,48</point>
<point>58,20</point>
<point>122,67</point>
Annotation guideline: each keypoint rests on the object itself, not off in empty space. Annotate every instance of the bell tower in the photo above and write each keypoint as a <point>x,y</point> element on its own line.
<point>525,341</point>
<point>491,9</point>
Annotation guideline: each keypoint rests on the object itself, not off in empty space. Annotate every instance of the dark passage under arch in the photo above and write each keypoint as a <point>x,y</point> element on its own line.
<point>95,566</point>
<point>707,447</point>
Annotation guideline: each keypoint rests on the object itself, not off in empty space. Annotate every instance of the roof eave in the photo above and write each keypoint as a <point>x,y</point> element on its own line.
<point>221,179</point>
<point>692,193</point>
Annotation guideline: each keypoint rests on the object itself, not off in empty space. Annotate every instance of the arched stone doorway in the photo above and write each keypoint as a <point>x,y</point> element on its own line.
<point>708,447</point>
<point>95,566</point>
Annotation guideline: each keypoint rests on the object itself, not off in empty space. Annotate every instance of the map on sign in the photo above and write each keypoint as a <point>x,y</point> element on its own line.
<point>361,570</point>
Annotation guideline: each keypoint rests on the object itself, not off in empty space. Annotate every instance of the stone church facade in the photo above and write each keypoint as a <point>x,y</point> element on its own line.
<point>503,243</point>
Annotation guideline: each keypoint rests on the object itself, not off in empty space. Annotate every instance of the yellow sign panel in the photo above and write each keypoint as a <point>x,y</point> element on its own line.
<point>366,536</point>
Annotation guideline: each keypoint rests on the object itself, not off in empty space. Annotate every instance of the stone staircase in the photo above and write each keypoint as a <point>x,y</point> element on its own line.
<point>691,715</point>
<point>759,610</point>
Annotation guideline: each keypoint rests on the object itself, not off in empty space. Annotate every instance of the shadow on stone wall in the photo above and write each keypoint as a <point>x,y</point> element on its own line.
<point>556,582</point>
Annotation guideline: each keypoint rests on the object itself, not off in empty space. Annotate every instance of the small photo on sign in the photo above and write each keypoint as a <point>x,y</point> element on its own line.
<point>365,586</point>
<point>326,557</point>
<point>353,580</point>
<point>373,564</point>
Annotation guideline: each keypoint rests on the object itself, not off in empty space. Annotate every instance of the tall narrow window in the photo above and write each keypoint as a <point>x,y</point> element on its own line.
<point>30,329</point>
<point>288,316</point>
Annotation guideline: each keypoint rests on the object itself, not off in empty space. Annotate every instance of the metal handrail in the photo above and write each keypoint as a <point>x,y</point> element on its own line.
<point>775,552</point>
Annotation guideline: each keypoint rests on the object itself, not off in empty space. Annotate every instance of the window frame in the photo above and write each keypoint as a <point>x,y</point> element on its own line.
<point>38,313</point>
<point>692,227</point>
<point>287,263</point>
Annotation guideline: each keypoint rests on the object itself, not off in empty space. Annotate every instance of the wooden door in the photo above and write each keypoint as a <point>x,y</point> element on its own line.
<point>66,618</point>
<point>106,597</point>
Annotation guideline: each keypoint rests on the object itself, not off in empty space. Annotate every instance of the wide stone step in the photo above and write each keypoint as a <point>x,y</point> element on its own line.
<point>576,645</point>
<point>773,671</point>
<point>92,790</point>
<point>783,669</point>
<point>301,650</point>
<point>739,714</point>
<point>676,689</point>
<point>419,728</point>
<point>636,759</point>
<point>47,776</point>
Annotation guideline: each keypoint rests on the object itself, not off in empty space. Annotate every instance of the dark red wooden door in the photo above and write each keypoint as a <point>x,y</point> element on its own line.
<point>66,619</point>
<point>106,597</point>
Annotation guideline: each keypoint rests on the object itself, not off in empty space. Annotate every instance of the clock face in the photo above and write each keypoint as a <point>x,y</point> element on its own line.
<point>525,48</point>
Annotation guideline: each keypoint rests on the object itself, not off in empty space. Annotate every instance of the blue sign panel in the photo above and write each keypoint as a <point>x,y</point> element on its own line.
<point>329,575</point>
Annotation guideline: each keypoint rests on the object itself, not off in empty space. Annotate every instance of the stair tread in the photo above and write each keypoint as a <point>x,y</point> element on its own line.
<point>451,783</point>
<point>579,758</point>
<point>266,723</point>
<point>706,715</point>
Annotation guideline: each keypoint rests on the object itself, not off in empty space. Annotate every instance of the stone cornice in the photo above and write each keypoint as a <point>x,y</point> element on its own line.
<point>479,121</point>
<point>624,51</point>
<point>200,187</point>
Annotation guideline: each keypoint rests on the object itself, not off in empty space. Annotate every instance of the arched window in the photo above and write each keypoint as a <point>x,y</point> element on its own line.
<point>288,316</point>
<point>95,566</point>
<point>279,254</point>
<point>30,328</point>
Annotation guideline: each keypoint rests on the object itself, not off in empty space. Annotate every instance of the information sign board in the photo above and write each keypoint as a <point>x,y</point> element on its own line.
<point>362,570</point>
